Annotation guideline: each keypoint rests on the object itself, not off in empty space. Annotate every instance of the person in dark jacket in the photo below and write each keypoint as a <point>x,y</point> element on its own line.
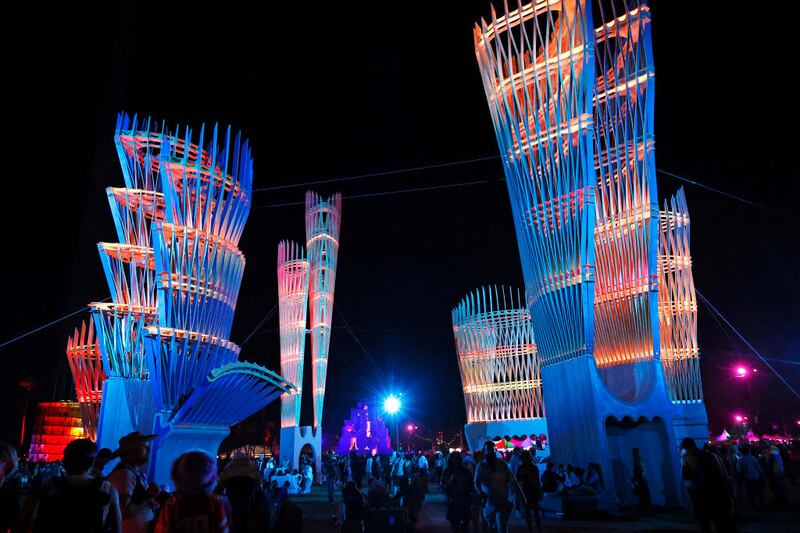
<point>458,487</point>
<point>531,485</point>
<point>708,487</point>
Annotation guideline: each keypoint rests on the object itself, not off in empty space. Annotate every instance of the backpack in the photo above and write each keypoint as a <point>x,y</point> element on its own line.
<point>67,507</point>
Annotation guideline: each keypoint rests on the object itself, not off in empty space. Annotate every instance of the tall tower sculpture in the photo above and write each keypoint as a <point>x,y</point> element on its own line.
<point>292,312</point>
<point>85,362</point>
<point>305,285</point>
<point>607,275</point>
<point>323,219</point>
<point>128,265</point>
<point>174,280</point>
<point>499,364</point>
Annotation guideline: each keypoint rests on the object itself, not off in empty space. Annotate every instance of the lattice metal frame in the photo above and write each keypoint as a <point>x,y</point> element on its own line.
<point>293,310</point>
<point>540,99</point>
<point>175,274</point>
<point>626,230</point>
<point>232,393</point>
<point>86,364</point>
<point>573,110</point>
<point>323,221</point>
<point>677,304</point>
<point>500,371</point>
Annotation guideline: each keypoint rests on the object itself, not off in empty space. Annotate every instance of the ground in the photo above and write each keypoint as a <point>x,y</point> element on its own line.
<point>317,514</point>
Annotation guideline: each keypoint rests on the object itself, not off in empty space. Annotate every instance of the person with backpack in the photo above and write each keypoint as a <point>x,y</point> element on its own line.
<point>138,500</point>
<point>193,508</point>
<point>78,501</point>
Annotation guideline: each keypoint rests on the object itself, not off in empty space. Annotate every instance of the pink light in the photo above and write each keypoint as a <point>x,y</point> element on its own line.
<point>410,427</point>
<point>741,372</point>
<point>738,418</point>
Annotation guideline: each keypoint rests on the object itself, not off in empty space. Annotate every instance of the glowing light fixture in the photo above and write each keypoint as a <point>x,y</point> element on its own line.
<point>391,404</point>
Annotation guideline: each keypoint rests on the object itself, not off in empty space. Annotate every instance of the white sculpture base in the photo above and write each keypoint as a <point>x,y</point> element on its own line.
<point>292,441</point>
<point>127,406</point>
<point>173,441</point>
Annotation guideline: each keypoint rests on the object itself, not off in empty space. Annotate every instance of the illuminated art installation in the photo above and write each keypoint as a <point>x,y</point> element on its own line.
<point>607,276</point>
<point>499,367</point>
<point>56,425</point>
<point>365,431</point>
<point>323,218</point>
<point>174,278</point>
<point>305,286</point>
<point>292,312</point>
<point>677,304</point>
<point>86,364</point>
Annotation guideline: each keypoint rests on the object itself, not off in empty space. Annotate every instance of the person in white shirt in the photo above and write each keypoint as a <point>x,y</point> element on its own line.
<point>368,469</point>
<point>397,471</point>
<point>308,479</point>
<point>422,464</point>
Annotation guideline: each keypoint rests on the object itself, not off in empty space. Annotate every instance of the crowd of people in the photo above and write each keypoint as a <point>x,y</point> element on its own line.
<point>378,488</point>
<point>723,480</point>
<point>79,495</point>
<point>484,489</point>
<point>371,491</point>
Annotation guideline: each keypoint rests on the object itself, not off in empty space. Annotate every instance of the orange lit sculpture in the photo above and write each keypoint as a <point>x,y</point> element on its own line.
<point>499,366</point>
<point>323,219</point>
<point>677,304</point>
<point>86,364</point>
<point>293,307</point>
<point>570,88</point>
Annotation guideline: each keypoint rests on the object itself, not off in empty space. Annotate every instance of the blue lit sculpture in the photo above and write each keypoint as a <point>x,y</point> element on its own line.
<point>607,276</point>
<point>174,278</point>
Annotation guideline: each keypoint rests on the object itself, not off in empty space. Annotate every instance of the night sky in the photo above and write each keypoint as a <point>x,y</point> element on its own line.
<point>337,90</point>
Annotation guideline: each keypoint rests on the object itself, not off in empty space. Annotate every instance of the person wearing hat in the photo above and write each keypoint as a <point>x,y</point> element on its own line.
<point>138,500</point>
